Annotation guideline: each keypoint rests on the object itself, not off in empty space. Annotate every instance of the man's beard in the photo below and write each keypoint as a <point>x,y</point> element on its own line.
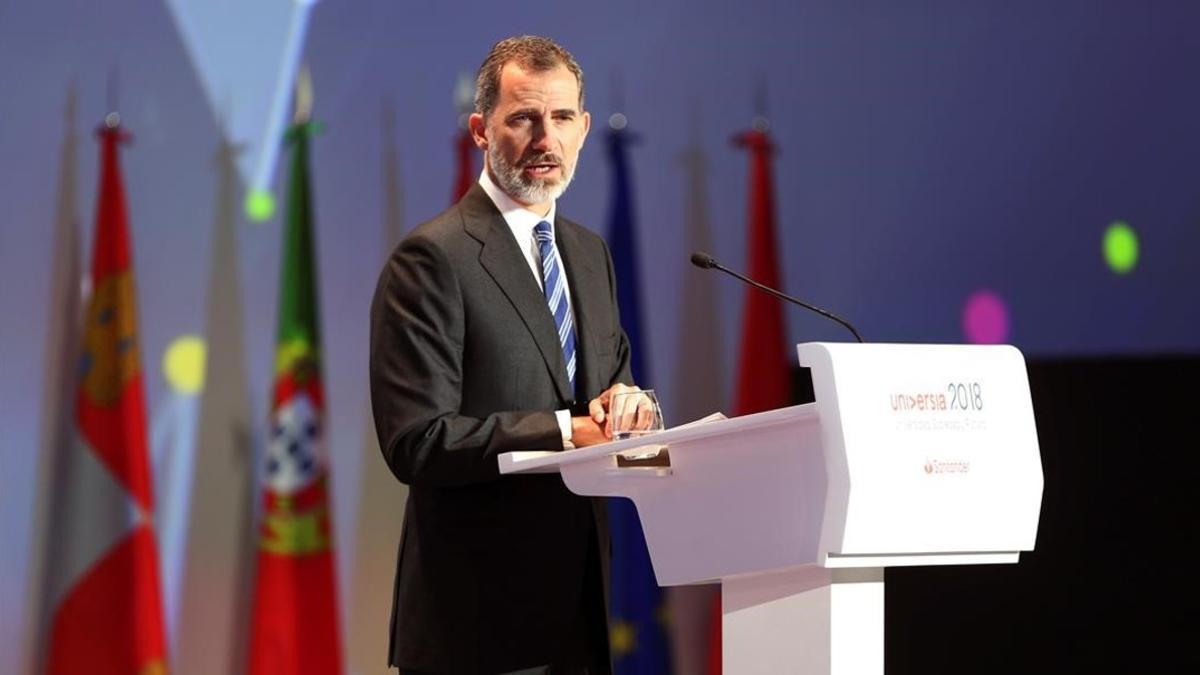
<point>524,189</point>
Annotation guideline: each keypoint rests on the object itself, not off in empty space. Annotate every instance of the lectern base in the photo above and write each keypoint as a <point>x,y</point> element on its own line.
<point>805,620</point>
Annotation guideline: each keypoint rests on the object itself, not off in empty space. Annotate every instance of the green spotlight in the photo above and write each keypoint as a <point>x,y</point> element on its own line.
<point>1120,247</point>
<point>260,205</point>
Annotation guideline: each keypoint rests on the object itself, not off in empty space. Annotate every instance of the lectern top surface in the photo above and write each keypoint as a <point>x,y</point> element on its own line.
<point>541,461</point>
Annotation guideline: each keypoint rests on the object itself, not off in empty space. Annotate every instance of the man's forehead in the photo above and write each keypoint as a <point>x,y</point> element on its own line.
<point>556,86</point>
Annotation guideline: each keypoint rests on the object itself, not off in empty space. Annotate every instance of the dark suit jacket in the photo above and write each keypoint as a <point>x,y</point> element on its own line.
<point>494,573</point>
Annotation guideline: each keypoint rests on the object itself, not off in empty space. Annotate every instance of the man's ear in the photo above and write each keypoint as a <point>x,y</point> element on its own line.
<point>587,124</point>
<point>478,127</point>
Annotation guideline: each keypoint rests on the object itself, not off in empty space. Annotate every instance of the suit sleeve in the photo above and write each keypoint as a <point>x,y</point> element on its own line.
<point>416,371</point>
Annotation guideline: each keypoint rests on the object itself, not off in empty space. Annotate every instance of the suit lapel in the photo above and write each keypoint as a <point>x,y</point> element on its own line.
<point>505,263</point>
<point>588,287</point>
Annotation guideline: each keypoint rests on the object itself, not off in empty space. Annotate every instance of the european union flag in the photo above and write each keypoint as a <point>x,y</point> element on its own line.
<point>637,633</point>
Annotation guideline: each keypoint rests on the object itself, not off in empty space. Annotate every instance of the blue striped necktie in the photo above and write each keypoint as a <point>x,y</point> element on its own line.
<point>554,284</point>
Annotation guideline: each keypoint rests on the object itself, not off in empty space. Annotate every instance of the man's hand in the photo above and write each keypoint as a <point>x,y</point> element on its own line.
<point>586,431</point>
<point>599,406</point>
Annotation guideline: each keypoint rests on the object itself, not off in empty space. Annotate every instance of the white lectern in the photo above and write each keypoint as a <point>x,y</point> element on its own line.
<point>911,455</point>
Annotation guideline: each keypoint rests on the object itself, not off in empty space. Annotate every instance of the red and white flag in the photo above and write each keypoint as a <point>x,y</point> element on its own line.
<point>103,577</point>
<point>764,369</point>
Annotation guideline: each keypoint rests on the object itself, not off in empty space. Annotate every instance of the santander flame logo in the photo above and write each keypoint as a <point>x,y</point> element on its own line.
<point>944,466</point>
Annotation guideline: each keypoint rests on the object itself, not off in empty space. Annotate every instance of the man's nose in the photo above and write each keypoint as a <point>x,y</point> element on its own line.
<point>542,136</point>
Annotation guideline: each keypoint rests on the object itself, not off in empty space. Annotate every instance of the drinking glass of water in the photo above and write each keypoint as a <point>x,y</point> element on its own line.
<point>634,413</point>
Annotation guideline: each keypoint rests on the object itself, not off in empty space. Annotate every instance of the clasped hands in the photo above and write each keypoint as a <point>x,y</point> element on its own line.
<point>596,427</point>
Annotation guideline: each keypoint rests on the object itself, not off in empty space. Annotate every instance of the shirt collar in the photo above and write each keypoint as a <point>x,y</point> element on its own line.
<point>517,216</point>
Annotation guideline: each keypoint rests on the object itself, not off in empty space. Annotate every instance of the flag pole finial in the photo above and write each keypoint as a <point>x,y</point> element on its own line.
<point>304,95</point>
<point>113,94</point>
<point>617,121</point>
<point>464,97</point>
<point>113,119</point>
<point>760,121</point>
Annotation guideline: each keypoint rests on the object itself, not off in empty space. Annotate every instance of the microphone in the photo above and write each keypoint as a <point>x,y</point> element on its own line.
<point>705,261</point>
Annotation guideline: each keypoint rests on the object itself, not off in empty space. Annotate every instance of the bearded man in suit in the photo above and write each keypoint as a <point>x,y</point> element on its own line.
<point>495,328</point>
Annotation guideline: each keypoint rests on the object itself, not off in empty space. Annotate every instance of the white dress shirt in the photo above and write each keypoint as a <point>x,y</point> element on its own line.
<point>521,222</point>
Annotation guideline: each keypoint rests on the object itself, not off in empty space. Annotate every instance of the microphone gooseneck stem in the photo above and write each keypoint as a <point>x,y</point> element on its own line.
<point>705,260</point>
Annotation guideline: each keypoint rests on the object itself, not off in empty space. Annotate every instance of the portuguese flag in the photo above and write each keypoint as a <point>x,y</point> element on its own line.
<point>295,621</point>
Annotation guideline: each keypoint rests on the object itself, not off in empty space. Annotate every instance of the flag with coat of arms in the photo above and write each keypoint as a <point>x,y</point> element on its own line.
<point>294,629</point>
<point>102,585</point>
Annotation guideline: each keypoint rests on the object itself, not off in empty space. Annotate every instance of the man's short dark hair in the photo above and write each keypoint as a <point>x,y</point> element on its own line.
<point>530,52</point>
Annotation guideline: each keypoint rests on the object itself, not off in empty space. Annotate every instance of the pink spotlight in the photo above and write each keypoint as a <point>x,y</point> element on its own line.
<point>985,318</point>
